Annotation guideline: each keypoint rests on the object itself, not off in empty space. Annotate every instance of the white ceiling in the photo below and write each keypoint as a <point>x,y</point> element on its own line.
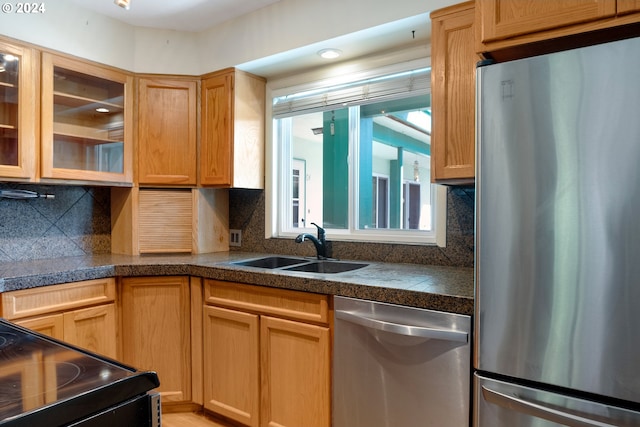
<point>180,15</point>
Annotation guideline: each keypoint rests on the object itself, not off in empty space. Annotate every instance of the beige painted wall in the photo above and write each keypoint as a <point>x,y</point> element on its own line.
<point>280,27</point>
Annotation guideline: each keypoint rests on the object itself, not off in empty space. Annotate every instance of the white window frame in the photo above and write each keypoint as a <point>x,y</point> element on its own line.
<point>275,180</point>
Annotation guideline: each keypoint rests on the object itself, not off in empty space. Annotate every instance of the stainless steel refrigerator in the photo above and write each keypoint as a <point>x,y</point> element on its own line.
<point>558,240</point>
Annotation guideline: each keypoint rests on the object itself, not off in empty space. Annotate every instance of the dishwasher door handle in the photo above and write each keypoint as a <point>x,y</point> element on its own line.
<point>400,329</point>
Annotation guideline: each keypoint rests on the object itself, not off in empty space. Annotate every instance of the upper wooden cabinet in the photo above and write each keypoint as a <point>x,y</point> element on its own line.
<point>232,139</point>
<point>18,112</point>
<point>453,61</point>
<point>167,131</point>
<point>501,19</point>
<point>86,121</point>
<point>504,24</point>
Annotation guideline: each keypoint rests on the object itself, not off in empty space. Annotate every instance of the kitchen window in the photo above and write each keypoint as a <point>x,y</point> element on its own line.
<point>354,158</point>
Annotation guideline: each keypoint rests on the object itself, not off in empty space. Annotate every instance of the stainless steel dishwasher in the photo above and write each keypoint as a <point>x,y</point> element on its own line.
<point>397,366</point>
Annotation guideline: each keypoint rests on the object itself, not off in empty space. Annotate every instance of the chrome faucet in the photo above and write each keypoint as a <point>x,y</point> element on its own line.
<point>323,248</point>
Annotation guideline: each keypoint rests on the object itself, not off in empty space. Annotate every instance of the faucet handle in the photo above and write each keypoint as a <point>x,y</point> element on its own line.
<point>321,231</point>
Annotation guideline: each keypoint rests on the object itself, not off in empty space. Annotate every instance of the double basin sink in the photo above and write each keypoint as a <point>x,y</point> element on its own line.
<point>301,264</point>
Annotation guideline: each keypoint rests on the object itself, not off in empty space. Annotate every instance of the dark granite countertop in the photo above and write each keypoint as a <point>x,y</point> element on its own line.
<point>434,287</point>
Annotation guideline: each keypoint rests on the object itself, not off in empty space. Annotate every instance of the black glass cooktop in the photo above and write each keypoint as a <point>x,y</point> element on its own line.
<point>44,382</point>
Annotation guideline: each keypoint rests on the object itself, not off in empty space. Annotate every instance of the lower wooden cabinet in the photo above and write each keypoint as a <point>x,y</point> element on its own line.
<point>51,325</point>
<point>75,313</point>
<point>257,355</point>
<point>93,328</point>
<point>266,355</point>
<point>156,331</point>
<point>295,372</point>
<point>231,370</point>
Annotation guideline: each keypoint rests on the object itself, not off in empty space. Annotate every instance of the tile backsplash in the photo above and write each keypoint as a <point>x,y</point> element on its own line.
<point>76,222</point>
<point>246,213</point>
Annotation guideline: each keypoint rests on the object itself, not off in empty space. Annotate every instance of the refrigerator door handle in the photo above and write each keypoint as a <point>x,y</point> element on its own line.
<point>400,329</point>
<point>539,411</point>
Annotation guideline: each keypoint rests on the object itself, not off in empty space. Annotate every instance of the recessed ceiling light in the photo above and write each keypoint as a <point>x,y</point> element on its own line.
<point>329,53</point>
<point>102,110</point>
<point>122,3</point>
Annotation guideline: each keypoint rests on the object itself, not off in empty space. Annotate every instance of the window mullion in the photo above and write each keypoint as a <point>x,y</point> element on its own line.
<point>354,167</point>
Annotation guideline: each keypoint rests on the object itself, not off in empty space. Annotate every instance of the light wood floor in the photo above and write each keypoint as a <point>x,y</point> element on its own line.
<point>184,419</point>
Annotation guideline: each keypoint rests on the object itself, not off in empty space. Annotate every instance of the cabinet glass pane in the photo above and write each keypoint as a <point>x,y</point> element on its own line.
<point>88,122</point>
<point>9,67</point>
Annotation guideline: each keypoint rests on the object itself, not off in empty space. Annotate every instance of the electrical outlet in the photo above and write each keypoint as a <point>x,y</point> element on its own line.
<point>235,237</point>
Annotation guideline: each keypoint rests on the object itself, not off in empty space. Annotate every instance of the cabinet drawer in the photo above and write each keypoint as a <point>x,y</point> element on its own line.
<point>49,299</point>
<point>295,305</point>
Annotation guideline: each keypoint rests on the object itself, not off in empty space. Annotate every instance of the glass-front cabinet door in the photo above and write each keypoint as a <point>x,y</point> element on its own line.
<point>18,112</point>
<point>86,121</point>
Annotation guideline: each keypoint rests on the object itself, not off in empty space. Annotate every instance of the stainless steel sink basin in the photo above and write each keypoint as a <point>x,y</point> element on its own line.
<point>327,267</point>
<point>301,264</point>
<point>271,262</point>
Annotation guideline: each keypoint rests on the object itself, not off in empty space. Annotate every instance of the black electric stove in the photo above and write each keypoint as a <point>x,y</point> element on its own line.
<point>44,382</point>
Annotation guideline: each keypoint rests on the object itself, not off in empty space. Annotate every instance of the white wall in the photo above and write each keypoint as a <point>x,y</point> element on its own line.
<point>167,52</point>
<point>282,26</point>
<point>291,24</point>
<point>67,28</point>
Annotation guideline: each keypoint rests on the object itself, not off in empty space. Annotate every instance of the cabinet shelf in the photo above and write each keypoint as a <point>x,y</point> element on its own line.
<point>8,145</point>
<point>84,140</point>
<point>8,85</point>
<point>87,154</point>
<point>8,103</point>
<point>115,105</point>
<point>113,133</point>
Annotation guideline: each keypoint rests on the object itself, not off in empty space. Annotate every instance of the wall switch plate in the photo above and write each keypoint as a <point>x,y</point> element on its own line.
<point>235,237</point>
